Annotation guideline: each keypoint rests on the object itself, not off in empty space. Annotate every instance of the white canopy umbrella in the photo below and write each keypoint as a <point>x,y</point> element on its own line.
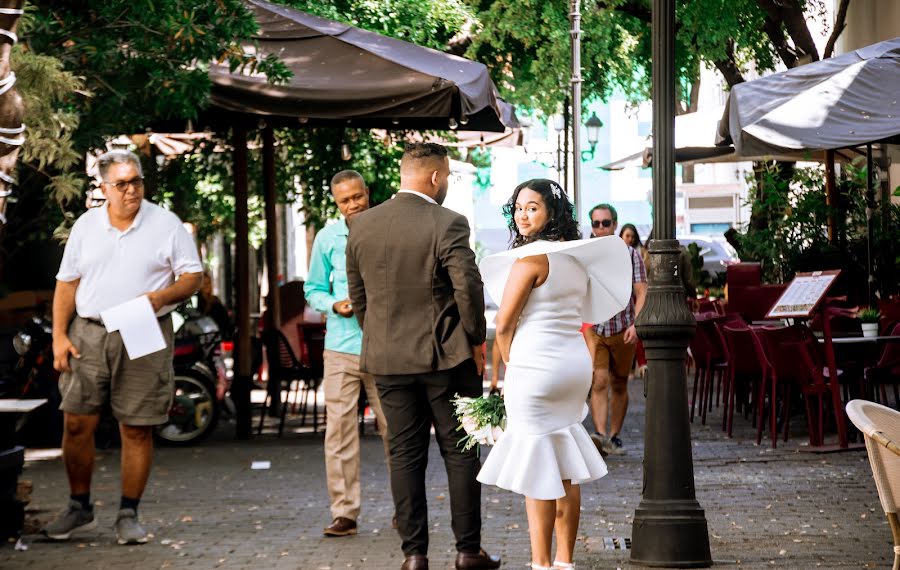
<point>695,143</point>
<point>844,101</point>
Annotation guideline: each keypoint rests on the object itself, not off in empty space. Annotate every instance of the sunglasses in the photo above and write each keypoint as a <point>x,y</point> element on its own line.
<point>597,223</point>
<point>122,187</point>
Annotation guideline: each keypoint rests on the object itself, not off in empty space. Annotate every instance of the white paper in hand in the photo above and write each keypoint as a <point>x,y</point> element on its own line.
<point>138,326</point>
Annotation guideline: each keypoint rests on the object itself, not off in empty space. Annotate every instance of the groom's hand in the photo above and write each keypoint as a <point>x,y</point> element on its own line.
<point>478,357</point>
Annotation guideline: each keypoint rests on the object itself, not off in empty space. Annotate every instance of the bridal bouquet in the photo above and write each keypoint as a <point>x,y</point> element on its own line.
<point>483,419</point>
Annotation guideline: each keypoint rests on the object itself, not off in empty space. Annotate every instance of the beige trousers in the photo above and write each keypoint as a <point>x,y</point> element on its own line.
<point>343,380</point>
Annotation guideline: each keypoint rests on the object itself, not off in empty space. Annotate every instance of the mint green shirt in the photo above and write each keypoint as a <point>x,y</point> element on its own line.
<point>327,284</point>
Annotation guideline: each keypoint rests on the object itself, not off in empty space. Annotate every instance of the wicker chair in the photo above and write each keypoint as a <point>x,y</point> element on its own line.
<point>881,426</point>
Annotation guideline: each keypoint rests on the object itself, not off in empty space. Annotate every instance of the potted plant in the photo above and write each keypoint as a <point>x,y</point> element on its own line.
<point>869,319</point>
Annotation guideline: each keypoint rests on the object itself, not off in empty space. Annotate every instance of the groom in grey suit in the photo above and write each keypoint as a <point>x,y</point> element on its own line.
<point>419,299</point>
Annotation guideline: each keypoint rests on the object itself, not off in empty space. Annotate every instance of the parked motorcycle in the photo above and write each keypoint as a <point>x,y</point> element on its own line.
<point>33,377</point>
<point>200,373</point>
<point>201,379</point>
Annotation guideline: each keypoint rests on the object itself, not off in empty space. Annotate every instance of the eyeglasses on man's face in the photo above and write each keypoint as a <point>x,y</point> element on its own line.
<point>123,185</point>
<point>597,223</point>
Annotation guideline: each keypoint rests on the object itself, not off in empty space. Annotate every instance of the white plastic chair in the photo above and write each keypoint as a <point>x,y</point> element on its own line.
<point>881,426</point>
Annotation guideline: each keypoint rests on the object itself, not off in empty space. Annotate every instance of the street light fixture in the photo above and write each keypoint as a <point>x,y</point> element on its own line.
<point>593,125</point>
<point>525,129</point>
<point>559,123</point>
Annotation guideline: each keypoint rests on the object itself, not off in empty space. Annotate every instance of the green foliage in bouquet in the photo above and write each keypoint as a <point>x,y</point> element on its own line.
<point>482,419</point>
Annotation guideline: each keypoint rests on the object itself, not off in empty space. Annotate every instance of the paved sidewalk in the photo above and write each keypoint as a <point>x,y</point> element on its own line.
<point>206,508</point>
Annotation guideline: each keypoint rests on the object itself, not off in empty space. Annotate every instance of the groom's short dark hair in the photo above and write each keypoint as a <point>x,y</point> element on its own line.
<point>417,153</point>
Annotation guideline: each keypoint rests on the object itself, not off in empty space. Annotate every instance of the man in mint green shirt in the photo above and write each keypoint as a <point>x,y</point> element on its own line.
<point>326,292</point>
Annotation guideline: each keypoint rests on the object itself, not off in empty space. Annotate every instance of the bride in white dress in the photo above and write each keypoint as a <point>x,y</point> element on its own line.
<point>551,282</point>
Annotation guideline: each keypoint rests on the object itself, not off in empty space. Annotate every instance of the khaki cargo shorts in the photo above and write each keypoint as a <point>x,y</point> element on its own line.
<point>612,353</point>
<point>139,391</point>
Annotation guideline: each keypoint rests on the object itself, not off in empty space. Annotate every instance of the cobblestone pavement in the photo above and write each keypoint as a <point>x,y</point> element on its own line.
<point>207,508</point>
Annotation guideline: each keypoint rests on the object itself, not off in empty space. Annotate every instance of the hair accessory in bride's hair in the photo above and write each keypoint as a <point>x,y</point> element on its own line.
<point>556,189</point>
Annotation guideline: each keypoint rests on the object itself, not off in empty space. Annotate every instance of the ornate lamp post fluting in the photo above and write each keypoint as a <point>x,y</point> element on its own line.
<point>669,525</point>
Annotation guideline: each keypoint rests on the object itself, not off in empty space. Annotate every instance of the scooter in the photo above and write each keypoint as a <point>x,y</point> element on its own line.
<point>201,379</point>
<point>33,377</point>
<point>200,373</point>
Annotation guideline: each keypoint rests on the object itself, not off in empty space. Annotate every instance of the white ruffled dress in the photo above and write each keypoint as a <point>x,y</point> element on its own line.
<point>548,376</point>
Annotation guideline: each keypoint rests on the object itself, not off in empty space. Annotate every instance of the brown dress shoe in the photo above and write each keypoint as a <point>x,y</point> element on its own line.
<point>341,526</point>
<point>480,560</point>
<point>415,562</point>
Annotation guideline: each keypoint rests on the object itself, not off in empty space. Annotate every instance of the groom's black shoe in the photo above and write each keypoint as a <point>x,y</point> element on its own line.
<point>415,562</point>
<point>480,560</point>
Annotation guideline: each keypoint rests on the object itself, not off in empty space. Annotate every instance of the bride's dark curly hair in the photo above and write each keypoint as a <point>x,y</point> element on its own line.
<point>561,224</point>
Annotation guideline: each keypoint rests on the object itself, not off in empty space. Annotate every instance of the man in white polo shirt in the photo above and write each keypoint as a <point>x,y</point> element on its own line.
<point>118,252</point>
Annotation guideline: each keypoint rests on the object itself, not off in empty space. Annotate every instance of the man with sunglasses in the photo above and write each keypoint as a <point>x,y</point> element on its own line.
<point>613,345</point>
<point>117,252</point>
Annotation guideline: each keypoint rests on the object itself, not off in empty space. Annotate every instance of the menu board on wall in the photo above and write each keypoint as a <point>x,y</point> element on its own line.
<point>803,294</point>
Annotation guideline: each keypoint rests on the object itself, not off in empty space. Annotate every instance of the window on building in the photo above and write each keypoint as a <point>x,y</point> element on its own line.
<point>710,229</point>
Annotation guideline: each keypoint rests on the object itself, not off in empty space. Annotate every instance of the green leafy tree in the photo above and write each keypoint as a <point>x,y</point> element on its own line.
<point>90,70</point>
<point>142,60</point>
<point>308,158</point>
<point>199,186</point>
<point>429,23</point>
<point>796,238</point>
<point>526,43</point>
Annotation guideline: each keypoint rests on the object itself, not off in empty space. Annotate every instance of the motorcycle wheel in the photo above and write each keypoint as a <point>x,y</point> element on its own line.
<point>194,412</point>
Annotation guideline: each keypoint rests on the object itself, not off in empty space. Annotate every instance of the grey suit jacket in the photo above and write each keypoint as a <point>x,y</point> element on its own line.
<point>415,287</point>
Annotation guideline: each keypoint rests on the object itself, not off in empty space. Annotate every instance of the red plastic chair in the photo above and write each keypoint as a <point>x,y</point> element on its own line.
<point>795,357</point>
<point>748,364</point>
<point>710,362</point>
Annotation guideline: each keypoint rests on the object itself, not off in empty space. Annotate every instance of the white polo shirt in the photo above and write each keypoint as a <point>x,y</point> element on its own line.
<point>117,266</point>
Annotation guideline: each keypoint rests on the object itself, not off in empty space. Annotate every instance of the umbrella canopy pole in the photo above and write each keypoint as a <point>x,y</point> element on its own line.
<point>240,388</point>
<point>576,104</point>
<point>831,198</point>
<point>273,301</point>
<point>870,223</point>
<point>888,247</point>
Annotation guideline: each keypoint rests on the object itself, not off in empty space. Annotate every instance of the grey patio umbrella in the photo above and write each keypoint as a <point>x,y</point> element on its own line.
<point>844,101</point>
<point>346,76</point>
<point>841,102</point>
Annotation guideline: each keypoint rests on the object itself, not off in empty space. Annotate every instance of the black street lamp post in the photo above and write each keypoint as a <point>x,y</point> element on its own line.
<point>669,525</point>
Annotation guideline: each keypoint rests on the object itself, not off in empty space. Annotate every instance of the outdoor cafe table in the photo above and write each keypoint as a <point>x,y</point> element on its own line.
<point>865,343</point>
<point>862,339</point>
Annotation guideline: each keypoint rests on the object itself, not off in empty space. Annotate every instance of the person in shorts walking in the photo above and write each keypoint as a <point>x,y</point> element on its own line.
<point>115,253</point>
<point>613,345</point>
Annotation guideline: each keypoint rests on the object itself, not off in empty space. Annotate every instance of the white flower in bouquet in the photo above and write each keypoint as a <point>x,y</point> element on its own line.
<point>482,419</point>
<point>469,424</point>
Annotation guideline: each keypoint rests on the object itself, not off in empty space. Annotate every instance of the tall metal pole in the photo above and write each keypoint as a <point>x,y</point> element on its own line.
<point>575,16</point>
<point>273,301</point>
<point>669,525</point>
<point>243,379</point>
<point>870,221</point>
<point>567,120</point>
<point>273,304</point>
<point>887,247</point>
